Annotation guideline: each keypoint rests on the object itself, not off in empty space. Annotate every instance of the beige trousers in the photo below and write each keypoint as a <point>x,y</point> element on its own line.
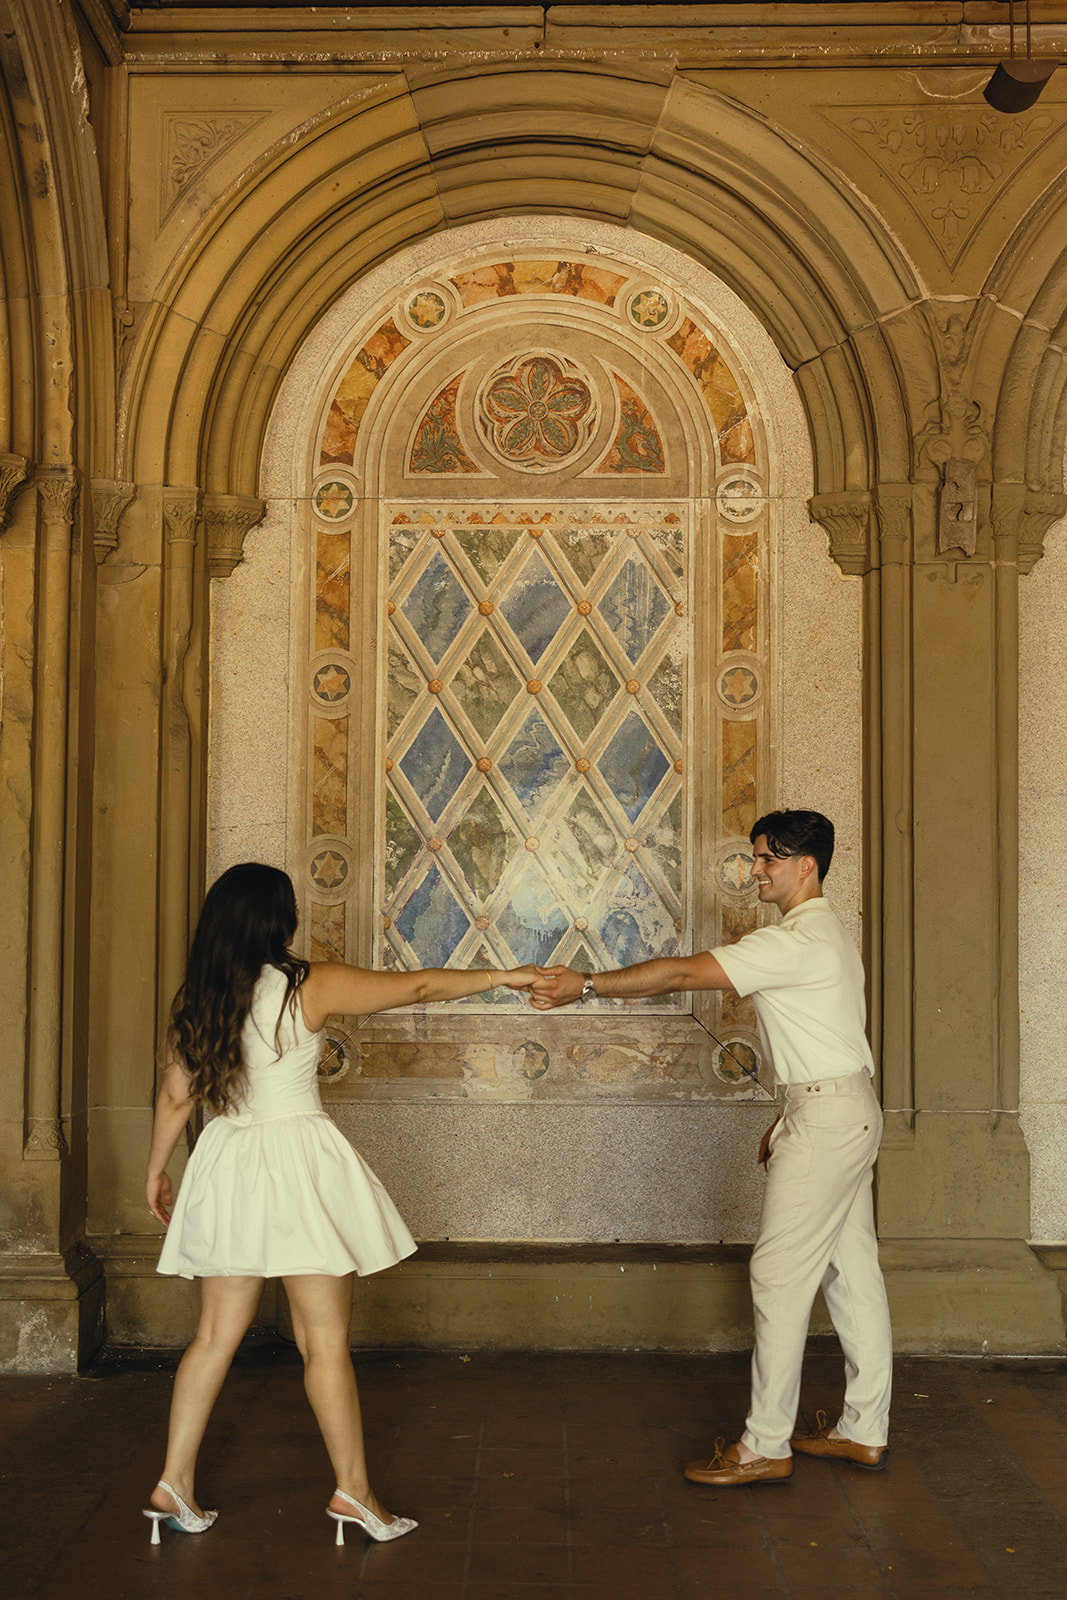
<point>817,1231</point>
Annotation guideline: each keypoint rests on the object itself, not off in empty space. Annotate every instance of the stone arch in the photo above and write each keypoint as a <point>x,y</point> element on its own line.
<point>281,245</point>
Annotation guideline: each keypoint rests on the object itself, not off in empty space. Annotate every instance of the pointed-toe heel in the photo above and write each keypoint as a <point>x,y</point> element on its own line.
<point>371,1525</point>
<point>184,1520</point>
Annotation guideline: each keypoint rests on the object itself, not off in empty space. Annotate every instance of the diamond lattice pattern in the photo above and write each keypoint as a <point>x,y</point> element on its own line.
<point>535,680</point>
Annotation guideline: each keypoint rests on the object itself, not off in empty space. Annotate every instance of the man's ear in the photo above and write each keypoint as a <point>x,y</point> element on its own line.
<point>808,865</point>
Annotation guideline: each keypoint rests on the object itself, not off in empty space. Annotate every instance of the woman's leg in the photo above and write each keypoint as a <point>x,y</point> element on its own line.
<point>322,1308</point>
<point>227,1306</point>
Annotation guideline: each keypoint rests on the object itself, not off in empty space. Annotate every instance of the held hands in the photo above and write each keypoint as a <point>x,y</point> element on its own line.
<point>160,1197</point>
<point>518,978</point>
<point>556,986</point>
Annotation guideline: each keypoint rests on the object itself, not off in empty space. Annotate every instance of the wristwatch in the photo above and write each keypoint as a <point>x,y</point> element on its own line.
<point>588,989</point>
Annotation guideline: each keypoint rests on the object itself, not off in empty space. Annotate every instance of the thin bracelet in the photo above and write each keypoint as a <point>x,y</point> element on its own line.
<point>489,975</point>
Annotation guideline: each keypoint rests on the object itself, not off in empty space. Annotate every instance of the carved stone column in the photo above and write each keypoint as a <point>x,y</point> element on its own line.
<point>51,1291</point>
<point>181,506</point>
<point>942,707</point>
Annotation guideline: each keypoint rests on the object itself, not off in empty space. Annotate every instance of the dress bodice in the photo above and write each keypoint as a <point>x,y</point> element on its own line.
<point>280,1061</point>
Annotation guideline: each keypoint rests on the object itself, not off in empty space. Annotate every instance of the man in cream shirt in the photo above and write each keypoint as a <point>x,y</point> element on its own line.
<point>817,1224</point>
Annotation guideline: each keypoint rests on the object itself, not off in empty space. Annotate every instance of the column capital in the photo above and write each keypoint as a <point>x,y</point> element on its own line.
<point>110,500</point>
<point>229,518</point>
<point>13,474</point>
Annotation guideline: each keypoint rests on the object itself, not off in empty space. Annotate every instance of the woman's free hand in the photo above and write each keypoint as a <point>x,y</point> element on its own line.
<point>160,1198</point>
<point>556,986</point>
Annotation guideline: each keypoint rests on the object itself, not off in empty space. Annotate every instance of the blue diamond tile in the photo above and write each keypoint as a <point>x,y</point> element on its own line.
<point>532,922</point>
<point>533,763</point>
<point>432,922</point>
<point>435,764</point>
<point>633,765</point>
<point>633,608</point>
<point>437,606</point>
<point>535,607</point>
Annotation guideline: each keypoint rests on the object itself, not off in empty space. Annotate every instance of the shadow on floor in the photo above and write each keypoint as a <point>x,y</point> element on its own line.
<point>536,1477</point>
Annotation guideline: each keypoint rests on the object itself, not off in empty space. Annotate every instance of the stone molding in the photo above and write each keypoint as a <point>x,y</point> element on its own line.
<point>13,473</point>
<point>229,518</point>
<point>110,500</point>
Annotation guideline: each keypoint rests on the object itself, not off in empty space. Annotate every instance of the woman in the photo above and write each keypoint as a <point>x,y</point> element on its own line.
<point>272,1188</point>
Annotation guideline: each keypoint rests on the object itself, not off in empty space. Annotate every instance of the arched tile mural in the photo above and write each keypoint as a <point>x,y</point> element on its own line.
<point>537,658</point>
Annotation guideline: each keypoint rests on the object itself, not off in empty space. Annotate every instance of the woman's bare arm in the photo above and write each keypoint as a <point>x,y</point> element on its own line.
<point>331,987</point>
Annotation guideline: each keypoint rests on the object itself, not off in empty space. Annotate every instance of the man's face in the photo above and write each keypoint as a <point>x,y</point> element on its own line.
<point>783,880</point>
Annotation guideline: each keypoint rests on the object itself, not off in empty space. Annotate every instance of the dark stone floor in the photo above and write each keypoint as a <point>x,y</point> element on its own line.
<point>536,1477</point>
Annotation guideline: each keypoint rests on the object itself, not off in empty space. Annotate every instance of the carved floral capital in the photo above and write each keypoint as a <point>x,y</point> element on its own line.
<point>846,517</point>
<point>181,506</point>
<point>57,488</point>
<point>110,500</point>
<point>13,472</point>
<point>229,518</point>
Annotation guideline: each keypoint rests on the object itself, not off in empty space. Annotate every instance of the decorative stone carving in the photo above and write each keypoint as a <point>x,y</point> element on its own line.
<point>192,142</point>
<point>892,504</point>
<point>1023,516</point>
<point>228,519</point>
<point>180,508</point>
<point>58,491</point>
<point>949,164</point>
<point>13,470</point>
<point>45,1139</point>
<point>110,500</point>
<point>957,516</point>
<point>846,517</point>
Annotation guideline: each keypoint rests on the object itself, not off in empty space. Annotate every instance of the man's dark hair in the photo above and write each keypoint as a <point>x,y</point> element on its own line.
<point>798,833</point>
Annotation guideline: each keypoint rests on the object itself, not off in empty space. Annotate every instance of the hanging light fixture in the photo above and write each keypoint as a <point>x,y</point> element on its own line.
<point>1016,83</point>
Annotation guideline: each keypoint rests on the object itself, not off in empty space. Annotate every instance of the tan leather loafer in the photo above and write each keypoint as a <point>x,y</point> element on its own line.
<point>871,1457</point>
<point>726,1470</point>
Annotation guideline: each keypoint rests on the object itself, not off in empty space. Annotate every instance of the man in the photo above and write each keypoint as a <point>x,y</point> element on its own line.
<point>817,1223</point>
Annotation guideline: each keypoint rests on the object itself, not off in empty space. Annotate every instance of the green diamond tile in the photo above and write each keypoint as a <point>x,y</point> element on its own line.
<point>483,844</point>
<point>488,548</point>
<point>402,843</point>
<point>403,688</point>
<point>486,684</point>
<point>584,685</point>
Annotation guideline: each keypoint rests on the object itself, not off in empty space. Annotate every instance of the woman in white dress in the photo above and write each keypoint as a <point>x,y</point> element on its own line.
<point>273,1189</point>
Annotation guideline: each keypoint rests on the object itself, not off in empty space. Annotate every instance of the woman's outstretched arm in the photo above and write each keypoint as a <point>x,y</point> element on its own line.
<point>331,988</point>
<point>174,1106</point>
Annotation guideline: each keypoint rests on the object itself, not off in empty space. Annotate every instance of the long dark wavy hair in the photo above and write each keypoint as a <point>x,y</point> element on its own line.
<point>247,920</point>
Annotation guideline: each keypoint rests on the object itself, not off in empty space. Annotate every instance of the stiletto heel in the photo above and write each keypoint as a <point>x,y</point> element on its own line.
<point>372,1525</point>
<point>184,1520</point>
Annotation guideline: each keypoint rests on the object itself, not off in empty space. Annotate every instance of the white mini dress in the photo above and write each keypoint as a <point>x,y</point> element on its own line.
<point>273,1189</point>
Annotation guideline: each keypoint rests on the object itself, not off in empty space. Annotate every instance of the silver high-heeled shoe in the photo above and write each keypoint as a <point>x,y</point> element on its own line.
<point>372,1525</point>
<point>184,1520</point>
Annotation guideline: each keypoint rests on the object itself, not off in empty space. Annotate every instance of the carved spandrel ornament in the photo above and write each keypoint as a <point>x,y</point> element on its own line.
<point>846,517</point>
<point>948,161</point>
<point>110,500</point>
<point>192,142</point>
<point>229,518</point>
<point>13,474</point>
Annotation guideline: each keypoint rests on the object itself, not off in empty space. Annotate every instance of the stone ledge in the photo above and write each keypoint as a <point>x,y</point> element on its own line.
<point>972,1297</point>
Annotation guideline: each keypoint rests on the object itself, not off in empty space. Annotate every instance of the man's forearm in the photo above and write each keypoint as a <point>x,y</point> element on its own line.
<point>665,975</point>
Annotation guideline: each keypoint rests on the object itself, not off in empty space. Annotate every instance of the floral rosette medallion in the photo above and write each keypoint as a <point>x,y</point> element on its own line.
<point>536,413</point>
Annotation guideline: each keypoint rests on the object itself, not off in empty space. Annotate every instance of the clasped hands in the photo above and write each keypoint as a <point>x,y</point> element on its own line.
<point>555,986</point>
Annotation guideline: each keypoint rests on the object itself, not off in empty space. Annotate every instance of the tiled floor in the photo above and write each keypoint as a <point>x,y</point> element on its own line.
<point>537,1477</point>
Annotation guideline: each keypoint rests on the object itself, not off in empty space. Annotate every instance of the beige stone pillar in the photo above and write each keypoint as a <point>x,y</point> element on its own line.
<point>51,1291</point>
<point>942,703</point>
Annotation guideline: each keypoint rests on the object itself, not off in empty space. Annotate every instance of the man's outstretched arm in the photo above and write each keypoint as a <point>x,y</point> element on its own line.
<point>559,986</point>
